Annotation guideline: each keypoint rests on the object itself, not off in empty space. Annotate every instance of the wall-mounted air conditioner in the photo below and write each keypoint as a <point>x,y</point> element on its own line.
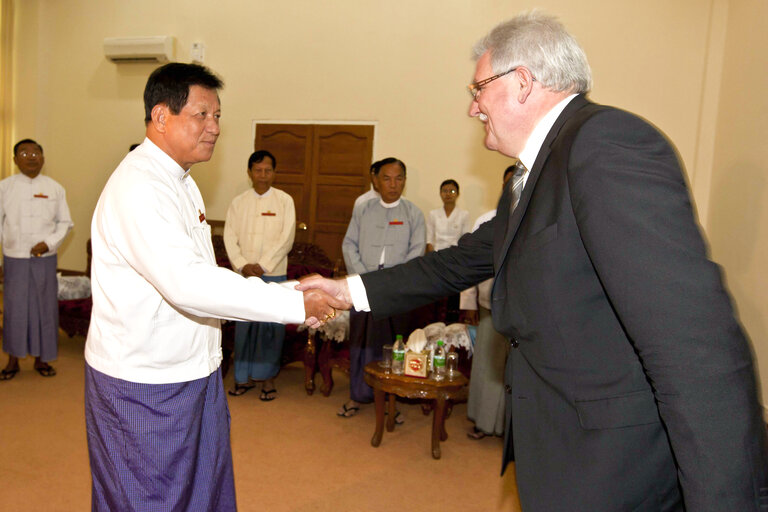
<point>139,49</point>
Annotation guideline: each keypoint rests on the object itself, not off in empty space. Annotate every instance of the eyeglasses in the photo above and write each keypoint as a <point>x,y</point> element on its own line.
<point>476,87</point>
<point>33,154</point>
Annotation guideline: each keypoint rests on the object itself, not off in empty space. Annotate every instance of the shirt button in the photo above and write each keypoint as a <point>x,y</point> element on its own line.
<point>514,342</point>
<point>508,389</point>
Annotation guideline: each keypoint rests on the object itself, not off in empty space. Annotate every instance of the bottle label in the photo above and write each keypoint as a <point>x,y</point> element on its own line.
<point>398,355</point>
<point>439,361</point>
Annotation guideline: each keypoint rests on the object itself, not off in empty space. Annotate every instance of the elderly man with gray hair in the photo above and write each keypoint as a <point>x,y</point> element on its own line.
<point>630,384</point>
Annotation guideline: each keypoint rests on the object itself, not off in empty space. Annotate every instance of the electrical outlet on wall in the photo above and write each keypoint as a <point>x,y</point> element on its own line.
<point>198,53</point>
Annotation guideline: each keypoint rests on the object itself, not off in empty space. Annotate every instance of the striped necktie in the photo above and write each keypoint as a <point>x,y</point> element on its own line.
<point>518,180</point>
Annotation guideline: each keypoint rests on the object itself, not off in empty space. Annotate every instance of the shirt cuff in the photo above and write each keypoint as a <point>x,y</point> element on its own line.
<point>357,292</point>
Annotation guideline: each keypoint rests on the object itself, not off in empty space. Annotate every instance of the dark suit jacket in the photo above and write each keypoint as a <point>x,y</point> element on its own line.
<point>630,379</point>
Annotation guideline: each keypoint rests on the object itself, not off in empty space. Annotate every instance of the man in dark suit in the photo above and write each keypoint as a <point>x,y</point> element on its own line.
<point>630,384</point>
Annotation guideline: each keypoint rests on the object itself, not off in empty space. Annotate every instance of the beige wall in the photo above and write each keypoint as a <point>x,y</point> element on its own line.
<point>402,64</point>
<point>737,220</point>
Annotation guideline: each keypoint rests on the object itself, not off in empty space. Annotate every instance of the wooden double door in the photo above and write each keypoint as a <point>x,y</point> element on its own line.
<point>324,167</point>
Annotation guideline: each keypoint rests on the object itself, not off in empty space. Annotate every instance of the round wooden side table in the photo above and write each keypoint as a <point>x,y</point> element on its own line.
<point>384,381</point>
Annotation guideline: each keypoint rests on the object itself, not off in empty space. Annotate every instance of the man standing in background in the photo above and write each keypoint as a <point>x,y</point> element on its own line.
<point>258,235</point>
<point>34,219</point>
<point>382,233</point>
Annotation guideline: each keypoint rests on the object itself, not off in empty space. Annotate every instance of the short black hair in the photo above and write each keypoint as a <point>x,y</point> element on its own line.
<point>376,167</point>
<point>26,141</point>
<point>450,182</point>
<point>259,156</point>
<point>170,84</point>
<point>133,146</point>
<point>509,170</point>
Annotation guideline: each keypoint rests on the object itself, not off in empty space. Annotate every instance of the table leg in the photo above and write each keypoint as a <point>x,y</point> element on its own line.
<point>378,396</point>
<point>326,368</point>
<point>438,426</point>
<point>391,413</point>
<point>310,357</point>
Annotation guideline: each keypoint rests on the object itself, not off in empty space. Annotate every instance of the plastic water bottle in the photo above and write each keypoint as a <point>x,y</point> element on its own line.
<point>398,355</point>
<point>439,361</point>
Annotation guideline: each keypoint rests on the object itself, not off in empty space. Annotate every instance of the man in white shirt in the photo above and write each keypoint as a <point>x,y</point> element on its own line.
<point>34,219</point>
<point>156,413</point>
<point>630,384</point>
<point>258,235</point>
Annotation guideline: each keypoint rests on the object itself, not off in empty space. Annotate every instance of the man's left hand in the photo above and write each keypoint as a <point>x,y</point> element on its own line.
<point>252,270</point>
<point>39,249</point>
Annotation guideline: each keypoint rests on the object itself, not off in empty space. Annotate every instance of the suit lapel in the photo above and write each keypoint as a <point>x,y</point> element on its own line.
<point>505,232</point>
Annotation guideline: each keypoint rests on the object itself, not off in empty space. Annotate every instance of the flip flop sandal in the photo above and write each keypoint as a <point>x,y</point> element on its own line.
<point>241,389</point>
<point>8,374</point>
<point>399,420</point>
<point>476,434</point>
<point>46,371</point>
<point>267,395</point>
<point>347,412</point>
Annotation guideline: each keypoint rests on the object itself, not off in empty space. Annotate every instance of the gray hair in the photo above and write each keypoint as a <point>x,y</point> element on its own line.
<point>540,43</point>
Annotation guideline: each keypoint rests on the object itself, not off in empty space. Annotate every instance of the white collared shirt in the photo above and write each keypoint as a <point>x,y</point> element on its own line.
<point>32,210</point>
<point>444,231</point>
<point>527,156</point>
<point>536,139</point>
<point>157,292</point>
<point>260,228</point>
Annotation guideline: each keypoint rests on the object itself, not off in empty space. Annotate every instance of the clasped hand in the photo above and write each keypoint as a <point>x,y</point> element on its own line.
<point>322,297</point>
<point>39,249</point>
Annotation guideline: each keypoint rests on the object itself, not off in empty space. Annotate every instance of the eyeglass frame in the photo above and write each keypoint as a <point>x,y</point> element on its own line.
<point>32,154</point>
<point>475,88</point>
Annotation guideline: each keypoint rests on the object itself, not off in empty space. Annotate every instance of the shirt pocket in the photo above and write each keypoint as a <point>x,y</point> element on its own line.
<point>40,216</point>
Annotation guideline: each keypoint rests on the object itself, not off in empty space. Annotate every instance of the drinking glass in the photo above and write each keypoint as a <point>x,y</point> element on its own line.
<point>386,357</point>
<point>452,364</point>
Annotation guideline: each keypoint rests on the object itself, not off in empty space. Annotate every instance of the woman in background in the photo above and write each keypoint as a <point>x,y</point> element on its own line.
<point>444,228</point>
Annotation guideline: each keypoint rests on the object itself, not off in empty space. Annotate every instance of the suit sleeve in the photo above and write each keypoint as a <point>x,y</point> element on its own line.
<point>637,224</point>
<point>438,274</point>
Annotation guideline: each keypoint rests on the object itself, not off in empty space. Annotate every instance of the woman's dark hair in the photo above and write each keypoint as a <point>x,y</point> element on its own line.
<point>449,182</point>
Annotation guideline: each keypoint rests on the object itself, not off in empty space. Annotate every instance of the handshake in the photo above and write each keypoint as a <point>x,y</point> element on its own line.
<point>322,297</point>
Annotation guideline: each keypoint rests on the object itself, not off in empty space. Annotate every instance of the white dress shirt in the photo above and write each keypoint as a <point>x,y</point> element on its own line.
<point>32,210</point>
<point>260,228</point>
<point>444,231</point>
<point>527,156</point>
<point>157,292</point>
